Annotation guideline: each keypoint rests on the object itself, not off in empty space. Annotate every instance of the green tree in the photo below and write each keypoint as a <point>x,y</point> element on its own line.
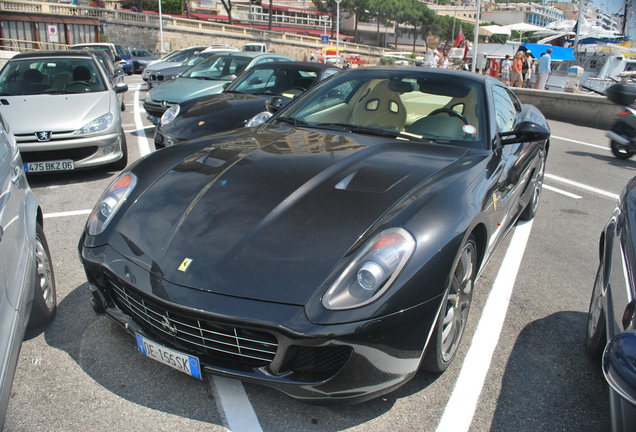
<point>358,9</point>
<point>328,6</point>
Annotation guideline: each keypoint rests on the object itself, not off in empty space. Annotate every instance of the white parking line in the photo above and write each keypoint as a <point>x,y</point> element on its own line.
<point>234,405</point>
<point>562,192</point>
<point>582,143</point>
<point>461,406</point>
<point>68,213</point>
<point>142,140</point>
<point>139,130</point>
<point>582,186</point>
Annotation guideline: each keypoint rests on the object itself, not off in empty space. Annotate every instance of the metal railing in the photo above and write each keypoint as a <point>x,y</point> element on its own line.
<point>172,23</point>
<point>27,45</point>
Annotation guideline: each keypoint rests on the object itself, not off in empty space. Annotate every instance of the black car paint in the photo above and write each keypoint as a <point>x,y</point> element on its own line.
<point>614,284</point>
<point>441,197</point>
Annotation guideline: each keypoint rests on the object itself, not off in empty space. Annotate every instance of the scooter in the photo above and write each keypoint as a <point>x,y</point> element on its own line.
<point>622,135</point>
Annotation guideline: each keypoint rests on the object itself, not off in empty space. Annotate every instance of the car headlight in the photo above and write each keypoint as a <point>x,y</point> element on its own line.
<point>99,124</point>
<point>109,203</point>
<point>170,114</point>
<point>259,118</point>
<point>372,270</point>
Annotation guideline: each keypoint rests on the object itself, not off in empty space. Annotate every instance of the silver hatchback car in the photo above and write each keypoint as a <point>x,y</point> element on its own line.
<point>64,111</point>
<point>27,284</point>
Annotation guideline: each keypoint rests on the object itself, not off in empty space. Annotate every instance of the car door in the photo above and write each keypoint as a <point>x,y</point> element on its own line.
<point>15,247</point>
<point>513,176</point>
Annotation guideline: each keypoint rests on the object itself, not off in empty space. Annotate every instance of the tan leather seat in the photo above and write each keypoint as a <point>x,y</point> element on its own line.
<point>380,107</point>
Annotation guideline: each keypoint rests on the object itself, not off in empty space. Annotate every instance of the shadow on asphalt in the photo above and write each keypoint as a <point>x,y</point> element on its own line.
<point>550,383</point>
<point>629,164</point>
<point>108,355</point>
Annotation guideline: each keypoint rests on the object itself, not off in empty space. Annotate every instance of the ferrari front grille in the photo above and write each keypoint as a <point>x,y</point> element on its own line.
<point>207,339</point>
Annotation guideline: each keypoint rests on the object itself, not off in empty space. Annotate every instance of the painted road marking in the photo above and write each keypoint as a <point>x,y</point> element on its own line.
<point>235,407</point>
<point>139,130</point>
<point>582,186</point>
<point>582,143</point>
<point>142,140</point>
<point>461,406</point>
<point>562,192</point>
<point>68,213</point>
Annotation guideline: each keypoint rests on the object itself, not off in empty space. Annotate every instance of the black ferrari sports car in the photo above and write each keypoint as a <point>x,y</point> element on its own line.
<point>331,252</point>
<point>241,104</point>
<point>611,324</point>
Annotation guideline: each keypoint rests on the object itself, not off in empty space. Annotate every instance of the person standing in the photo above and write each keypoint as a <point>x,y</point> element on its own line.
<point>506,64</point>
<point>545,68</point>
<point>517,65</point>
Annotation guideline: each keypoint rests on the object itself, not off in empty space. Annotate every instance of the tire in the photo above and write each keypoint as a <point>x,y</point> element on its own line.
<point>45,294</point>
<point>453,316</point>
<point>123,162</point>
<point>619,151</point>
<point>595,335</point>
<point>531,209</point>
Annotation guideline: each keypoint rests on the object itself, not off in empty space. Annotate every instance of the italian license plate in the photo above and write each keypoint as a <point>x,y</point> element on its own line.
<point>58,165</point>
<point>182,362</point>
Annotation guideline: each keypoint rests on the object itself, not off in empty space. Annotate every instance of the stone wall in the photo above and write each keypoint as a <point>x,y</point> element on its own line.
<point>144,36</point>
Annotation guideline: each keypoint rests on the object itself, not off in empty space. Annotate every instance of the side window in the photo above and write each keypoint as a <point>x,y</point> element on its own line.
<point>505,110</point>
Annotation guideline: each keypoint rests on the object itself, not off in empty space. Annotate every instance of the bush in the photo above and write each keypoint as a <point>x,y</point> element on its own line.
<point>387,61</point>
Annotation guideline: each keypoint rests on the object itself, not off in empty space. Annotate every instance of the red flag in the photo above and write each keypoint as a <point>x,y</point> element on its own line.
<point>465,51</point>
<point>460,38</point>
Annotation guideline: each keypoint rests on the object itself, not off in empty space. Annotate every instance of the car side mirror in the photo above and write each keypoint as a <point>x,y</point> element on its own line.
<point>274,104</point>
<point>525,132</point>
<point>226,85</point>
<point>118,58</point>
<point>619,365</point>
<point>121,87</point>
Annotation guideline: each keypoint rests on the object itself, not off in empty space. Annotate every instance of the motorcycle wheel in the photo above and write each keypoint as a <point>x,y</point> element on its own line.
<point>619,151</point>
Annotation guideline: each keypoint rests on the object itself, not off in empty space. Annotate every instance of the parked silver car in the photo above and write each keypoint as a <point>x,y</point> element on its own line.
<point>64,111</point>
<point>27,294</point>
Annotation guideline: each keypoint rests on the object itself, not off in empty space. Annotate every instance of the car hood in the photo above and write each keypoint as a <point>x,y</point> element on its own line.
<point>181,89</point>
<point>51,112</point>
<point>214,114</point>
<point>173,70</point>
<point>268,214</point>
<point>158,65</point>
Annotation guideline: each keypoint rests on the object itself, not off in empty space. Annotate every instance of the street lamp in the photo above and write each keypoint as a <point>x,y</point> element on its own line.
<point>338,32</point>
<point>160,28</point>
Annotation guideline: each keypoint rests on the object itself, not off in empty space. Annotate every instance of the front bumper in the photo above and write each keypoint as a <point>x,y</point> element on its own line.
<point>272,344</point>
<point>155,110</point>
<point>86,152</point>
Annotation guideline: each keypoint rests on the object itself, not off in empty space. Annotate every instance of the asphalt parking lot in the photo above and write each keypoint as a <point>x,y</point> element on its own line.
<point>522,364</point>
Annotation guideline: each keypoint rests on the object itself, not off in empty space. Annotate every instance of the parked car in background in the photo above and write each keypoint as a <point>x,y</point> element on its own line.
<point>27,293</point>
<point>611,323</point>
<point>205,78</point>
<point>255,47</point>
<point>242,103</point>
<point>331,252</point>
<point>141,58</point>
<point>120,54</point>
<point>171,60</point>
<point>170,73</point>
<point>64,111</point>
<point>113,71</point>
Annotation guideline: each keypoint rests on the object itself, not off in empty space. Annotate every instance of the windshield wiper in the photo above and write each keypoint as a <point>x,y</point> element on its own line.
<point>374,131</point>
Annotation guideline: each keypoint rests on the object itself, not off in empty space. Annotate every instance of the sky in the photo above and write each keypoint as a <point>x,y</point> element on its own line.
<point>616,6</point>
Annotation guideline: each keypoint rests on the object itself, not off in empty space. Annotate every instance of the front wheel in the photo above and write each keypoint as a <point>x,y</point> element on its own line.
<point>45,294</point>
<point>450,326</point>
<point>123,162</point>
<point>619,151</point>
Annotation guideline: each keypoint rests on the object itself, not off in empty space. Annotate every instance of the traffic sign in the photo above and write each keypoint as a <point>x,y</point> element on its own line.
<point>324,39</point>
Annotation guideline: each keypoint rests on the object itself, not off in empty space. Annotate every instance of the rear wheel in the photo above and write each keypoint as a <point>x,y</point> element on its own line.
<point>619,151</point>
<point>45,294</point>
<point>452,320</point>
<point>531,209</point>
<point>595,335</point>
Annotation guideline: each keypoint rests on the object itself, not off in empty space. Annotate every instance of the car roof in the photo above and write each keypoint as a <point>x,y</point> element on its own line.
<point>299,65</point>
<point>253,54</point>
<point>57,53</point>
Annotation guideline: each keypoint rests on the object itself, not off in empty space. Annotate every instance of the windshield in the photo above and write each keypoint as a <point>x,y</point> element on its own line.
<point>406,104</point>
<point>141,53</point>
<point>218,67</point>
<point>51,75</point>
<point>276,80</point>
